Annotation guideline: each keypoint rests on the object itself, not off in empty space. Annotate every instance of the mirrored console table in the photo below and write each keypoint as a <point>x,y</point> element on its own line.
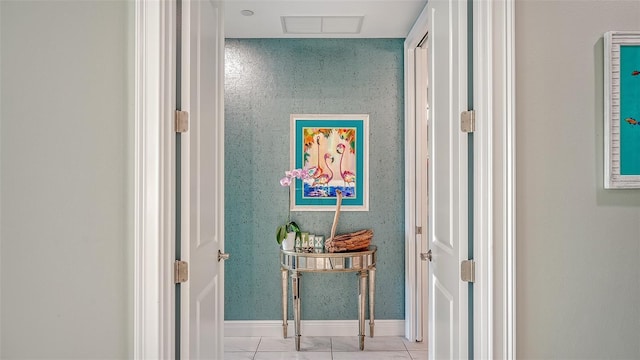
<point>361,262</point>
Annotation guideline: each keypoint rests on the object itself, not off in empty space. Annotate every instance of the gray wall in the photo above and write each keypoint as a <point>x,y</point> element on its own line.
<point>578,245</point>
<point>65,175</point>
<point>266,81</point>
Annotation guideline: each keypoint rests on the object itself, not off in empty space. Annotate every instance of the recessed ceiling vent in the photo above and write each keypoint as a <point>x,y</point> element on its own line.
<point>322,24</point>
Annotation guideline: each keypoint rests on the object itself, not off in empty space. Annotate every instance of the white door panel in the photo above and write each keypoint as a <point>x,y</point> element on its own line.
<point>203,180</point>
<point>448,179</point>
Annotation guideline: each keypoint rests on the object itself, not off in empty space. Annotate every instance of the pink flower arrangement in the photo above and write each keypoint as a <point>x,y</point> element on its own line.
<point>302,174</point>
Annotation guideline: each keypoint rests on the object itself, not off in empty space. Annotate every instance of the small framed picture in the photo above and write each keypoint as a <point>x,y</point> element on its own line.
<point>622,110</point>
<point>333,149</point>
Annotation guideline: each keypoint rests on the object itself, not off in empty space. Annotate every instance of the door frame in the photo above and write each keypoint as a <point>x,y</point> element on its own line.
<point>154,180</point>
<point>494,186</point>
<point>413,275</point>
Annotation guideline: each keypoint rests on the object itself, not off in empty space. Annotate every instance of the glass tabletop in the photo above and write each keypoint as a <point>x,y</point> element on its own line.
<point>324,261</point>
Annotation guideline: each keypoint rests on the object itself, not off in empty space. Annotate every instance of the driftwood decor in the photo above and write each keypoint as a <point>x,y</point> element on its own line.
<point>346,242</point>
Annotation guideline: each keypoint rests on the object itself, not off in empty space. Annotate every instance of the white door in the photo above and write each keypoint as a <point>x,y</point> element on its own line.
<point>203,180</point>
<point>447,73</point>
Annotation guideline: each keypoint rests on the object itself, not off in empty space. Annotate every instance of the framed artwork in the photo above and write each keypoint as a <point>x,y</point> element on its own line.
<point>622,110</point>
<point>333,149</point>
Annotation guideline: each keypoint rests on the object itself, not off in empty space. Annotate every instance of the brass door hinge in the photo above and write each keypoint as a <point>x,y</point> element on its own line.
<point>468,121</point>
<point>182,121</point>
<point>180,271</point>
<point>468,270</point>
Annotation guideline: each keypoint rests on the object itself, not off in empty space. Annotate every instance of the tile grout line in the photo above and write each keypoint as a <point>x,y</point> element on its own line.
<point>257,347</point>
<point>406,348</point>
<point>331,346</point>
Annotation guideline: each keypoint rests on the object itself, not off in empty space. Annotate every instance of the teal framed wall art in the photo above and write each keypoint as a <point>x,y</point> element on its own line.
<point>333,149</point>
<point>622,110</point>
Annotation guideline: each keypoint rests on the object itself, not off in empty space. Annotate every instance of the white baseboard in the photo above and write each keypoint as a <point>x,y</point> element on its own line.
<point>247,328</point>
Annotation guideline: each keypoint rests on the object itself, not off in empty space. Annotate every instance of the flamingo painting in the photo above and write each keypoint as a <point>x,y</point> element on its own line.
<point>324,179</point>
<point>333,152</point>
<point>347,176</point>
<point>316,171</point>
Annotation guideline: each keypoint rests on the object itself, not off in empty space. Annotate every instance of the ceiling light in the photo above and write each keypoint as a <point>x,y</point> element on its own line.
<point>246,12</point>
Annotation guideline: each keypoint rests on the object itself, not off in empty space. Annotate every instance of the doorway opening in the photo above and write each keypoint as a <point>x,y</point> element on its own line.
<point>417,89</point>
<point>152,310</point>
<point>421,254</point>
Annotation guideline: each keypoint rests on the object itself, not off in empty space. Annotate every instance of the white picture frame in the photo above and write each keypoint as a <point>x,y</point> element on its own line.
<point>621,111</point>
<point>340,157</point>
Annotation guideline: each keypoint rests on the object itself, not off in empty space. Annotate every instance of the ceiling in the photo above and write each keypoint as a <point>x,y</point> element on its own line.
<point>321,19</point>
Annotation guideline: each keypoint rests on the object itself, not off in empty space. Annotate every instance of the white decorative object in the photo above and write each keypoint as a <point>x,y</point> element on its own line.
<point>310,242</point>
<point>289,242</point>
<point>319,243</point>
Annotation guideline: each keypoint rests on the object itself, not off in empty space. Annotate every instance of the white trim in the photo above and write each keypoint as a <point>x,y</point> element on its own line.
<point>249,328</point>
<point>186,172</point>
<point>153,182</point>
<point>1,337</point>
<point>495,179</point>
<point>412,260</point>
<point>484,84</point>
<point>509,175</point>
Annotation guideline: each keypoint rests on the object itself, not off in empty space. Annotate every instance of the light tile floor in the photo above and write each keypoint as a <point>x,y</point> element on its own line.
<point>323,348</point>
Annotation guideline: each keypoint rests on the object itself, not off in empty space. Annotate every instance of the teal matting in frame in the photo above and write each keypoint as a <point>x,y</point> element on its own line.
<point>333,149</point>
<point>622,110</point>
<point>630,110</point>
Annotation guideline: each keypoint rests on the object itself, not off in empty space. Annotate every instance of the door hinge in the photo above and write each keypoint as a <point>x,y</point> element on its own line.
<point>418,230</point>
<point>468,121</point>
<point>182,121</point>
<point>180,271</point>
<point>468,270</point>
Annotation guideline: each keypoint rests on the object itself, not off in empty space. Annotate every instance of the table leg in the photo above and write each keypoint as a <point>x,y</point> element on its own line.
<point>372,299</point>
<point>295,285</point>
<point>284,303</point>
<point>362,301</point>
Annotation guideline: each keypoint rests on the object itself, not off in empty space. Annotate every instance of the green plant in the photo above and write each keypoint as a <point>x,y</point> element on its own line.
<point>283,230</point>
<point>291,226</point>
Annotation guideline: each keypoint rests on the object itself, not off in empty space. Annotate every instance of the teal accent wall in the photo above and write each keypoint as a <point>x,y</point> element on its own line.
<point>266,80</point>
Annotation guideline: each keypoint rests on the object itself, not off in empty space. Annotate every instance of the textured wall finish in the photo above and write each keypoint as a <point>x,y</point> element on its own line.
<point>266,81</point>
<point>578,287</point>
